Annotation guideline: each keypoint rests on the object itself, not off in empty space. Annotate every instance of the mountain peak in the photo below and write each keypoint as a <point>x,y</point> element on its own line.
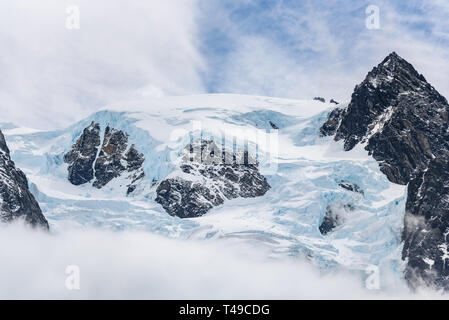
<point>395,64</point>
<point>393,84</point>
<point>395,71</point>
<point>392,57</point>
<point>391,98</point>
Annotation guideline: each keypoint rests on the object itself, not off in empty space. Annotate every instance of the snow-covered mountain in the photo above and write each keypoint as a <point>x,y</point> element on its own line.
<point>312,180</point>
<point>307,179</point>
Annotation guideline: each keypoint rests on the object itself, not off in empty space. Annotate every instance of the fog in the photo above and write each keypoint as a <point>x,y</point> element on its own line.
<point>137,265</point>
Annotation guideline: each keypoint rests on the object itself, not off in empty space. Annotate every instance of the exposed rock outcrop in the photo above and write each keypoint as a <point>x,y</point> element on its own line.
<point>335,216</point>
<point>350,186</point>
<point>208,176</point>
<point>273,125</point>
<point>16,200</point>
<point>404,122</point>
<point>113,160</point>
<point>109,161</point>
<point>330,127</point>
<point>400,116</point>
<point>426,227</point>
<point>83,154</point>
<point>134,167</point>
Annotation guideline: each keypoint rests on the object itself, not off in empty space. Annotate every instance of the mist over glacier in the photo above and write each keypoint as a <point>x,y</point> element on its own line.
<point>139,265</point>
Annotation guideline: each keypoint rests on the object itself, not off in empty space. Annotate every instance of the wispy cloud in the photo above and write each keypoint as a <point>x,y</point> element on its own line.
<point>300,49</point>
<point>51,76</point>
<point>296,49</point>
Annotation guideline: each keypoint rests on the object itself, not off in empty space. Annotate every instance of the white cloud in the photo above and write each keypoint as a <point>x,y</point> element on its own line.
<point>135,265</point>
<point>259,66</point>
<point>51,76</point>
<point>325,49</point>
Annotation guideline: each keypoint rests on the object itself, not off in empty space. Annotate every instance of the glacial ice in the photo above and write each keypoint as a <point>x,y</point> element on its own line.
<point>285,220</point>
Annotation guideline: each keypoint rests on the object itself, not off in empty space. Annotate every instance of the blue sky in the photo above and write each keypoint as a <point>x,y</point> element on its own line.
<point>127,50</point>
<point>310,37</point>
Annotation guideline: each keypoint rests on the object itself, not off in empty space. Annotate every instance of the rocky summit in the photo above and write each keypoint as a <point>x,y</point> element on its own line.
<point>402,119</point>
<point>208,176</point>
<point>88,162</point>
<point>403,122</point>
<point>16,200</point>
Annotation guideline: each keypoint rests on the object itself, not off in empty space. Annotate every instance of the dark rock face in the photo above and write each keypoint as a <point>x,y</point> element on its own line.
<point>210,175</point>
<point>112,161</point>
<point>320,99</point>
<point>336,213</point>
<point>186,199</point>
<point>82,155</point>
<point>334,102</point>
<point>329,223</point>
<point>330,127</point>
<point>334,217</point>
<point>17,202</point>
<point>134,161</point>
<point>274,126</point>
<point>350,186</point>
<point>426,227</point>
<point>109,162</point>
<point>404,121</point>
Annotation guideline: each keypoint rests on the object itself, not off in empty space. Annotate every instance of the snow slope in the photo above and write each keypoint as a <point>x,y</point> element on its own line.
<point>303,170</point>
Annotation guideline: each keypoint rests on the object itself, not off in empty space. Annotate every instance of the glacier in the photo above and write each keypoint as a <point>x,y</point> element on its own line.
<point>304,172</point>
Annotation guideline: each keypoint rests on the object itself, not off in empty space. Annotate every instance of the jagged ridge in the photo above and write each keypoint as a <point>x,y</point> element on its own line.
<point>394,110</point>
<point>404,122</point>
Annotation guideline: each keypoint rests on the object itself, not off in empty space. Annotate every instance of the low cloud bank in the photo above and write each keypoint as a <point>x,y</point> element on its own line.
<point>136,265</point>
